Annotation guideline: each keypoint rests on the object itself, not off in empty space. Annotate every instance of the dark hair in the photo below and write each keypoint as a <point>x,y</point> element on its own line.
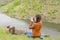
<point>38,18</point>
<point>8,26</point>
<point>13,30</point>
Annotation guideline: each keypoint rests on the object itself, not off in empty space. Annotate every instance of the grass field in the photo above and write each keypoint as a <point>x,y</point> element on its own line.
<point>7,36</point>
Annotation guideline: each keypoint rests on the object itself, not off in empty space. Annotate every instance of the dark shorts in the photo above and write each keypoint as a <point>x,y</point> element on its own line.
<point>35,36</point>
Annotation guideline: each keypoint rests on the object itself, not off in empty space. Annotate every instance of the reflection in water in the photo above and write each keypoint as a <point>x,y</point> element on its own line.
<point>52,25</point>
<point>51,29</point>
<point>48,28</point>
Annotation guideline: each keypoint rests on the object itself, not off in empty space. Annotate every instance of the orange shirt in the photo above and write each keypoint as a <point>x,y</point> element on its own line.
<point>36,27</point>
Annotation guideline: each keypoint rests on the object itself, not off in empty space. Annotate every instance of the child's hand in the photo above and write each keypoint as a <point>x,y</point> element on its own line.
<point>31,19</point>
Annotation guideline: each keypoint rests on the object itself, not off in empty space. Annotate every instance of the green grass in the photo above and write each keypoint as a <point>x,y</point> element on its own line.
<point>7,36</point>
<point>4,2</point>
<point>22,8</point>
<point>2,5</point>
<point>25,8</point>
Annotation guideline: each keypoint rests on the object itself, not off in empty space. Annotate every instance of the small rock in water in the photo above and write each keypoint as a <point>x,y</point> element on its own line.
<point>46,35</point>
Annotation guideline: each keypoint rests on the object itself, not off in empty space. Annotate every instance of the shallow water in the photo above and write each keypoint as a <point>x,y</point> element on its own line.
<point>48,28</point>
<point>51,29</point>
<point>6,20</point>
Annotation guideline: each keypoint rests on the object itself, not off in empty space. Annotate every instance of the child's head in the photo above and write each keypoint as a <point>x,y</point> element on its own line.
<point>11,29</point>
<point>8,26</point>
<point>38,18</point>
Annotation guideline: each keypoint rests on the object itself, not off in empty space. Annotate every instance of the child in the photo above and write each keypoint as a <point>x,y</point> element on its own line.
<point>12,30</point>
<point>36,26</point>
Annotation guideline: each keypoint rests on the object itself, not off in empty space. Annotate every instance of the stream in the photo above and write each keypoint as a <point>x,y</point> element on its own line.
<point>48,28</point>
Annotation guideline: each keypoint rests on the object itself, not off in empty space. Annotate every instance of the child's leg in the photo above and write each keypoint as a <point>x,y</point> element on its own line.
<point>29,34</point>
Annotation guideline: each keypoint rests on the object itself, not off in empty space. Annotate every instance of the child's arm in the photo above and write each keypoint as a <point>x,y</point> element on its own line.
<point>31,26</point>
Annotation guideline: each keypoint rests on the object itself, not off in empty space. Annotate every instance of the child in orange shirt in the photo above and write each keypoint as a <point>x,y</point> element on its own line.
<point>36,26</point>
